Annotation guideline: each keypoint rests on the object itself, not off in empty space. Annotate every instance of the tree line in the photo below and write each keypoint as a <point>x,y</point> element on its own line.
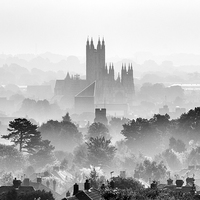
<point>37,145</point>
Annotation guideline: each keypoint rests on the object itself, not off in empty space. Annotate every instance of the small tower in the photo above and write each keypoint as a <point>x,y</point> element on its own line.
<point>87,44</point>
<point>99,45</point>
<point>123,75</point>
<point>76,189</point>
<point>103,44</point>
<point>100,116</point>
<point>67,77</point>
<point>112,73</point>
<point>91,44</point>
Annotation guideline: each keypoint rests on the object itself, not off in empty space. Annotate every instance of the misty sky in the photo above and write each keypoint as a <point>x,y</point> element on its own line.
<point>128,26</point>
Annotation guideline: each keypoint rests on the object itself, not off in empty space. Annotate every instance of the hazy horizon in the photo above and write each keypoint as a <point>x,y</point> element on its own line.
<point>62,27</point>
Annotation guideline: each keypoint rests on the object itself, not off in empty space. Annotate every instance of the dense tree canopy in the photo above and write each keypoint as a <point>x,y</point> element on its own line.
<point>177,145</point>
<point>152,170</point>
<point>189,123</point>
<point>26,135</point>
<point>39,195</point>
<point>81,155</point>
<point>127,183</point>
<point>64,134</point>
<point>142,134</point>
<point>116,123</point>
<point>44,155</point>
<point>100,151</point>
<point>141,127</point>
<point>10,158</point>
<point>98,129</point>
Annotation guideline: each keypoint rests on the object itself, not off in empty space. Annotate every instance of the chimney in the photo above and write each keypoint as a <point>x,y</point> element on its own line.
<point>67,194</point>
<point>16,183</point>
<point>54,185</point>
<point>86,185</point>
<point>76,189</point>
<point>26,182</point>
<point>39,180</point>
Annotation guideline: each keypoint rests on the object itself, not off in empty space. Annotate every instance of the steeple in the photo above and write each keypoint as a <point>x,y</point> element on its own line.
<point>103,44</point>
<point>112,73</point>
<point>88,44</point>
<point>99,44</point>
<point>91,44</point>
<point>67,77</point>
<point>106,69</point>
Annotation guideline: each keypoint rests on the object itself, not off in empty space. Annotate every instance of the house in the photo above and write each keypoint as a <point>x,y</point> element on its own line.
<point>88,193</point>
<point>40,186</point>
<point>16,186</point>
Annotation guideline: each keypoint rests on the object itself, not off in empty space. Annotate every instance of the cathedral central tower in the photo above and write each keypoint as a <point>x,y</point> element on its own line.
<point>95,60</point>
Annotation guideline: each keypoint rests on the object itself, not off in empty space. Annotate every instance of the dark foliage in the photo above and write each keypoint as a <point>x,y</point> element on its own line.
<point>64,135</point>
<point>146,194</point>
<point>25,134</point>
<point>44,155</point>
<point>14,195</point>
<point>139,129</point>
<point>127,183</point>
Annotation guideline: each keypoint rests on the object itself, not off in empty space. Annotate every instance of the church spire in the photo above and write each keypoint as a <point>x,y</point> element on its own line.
<point>106,69</point>
<point>87,44</point>
<point>103,44</point>
<point>91,44</point>
<point>99,44</point>
<point>68,76</point>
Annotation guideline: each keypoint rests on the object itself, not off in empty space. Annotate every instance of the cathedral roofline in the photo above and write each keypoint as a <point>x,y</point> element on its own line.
<point>89,91</point>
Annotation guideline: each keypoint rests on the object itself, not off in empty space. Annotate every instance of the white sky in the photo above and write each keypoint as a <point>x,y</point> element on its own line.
<point>128,26</point>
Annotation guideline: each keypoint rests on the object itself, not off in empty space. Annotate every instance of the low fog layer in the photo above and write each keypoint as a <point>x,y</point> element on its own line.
<point>123,110</point>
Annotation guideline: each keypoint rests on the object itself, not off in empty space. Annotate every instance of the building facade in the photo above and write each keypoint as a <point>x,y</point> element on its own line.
<point>109,90</point>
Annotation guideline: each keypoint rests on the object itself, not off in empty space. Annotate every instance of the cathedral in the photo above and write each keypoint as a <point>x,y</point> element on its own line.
<point>108,89</point>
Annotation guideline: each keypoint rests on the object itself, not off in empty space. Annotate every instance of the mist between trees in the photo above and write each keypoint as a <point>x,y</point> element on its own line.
<point>144,148</point>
